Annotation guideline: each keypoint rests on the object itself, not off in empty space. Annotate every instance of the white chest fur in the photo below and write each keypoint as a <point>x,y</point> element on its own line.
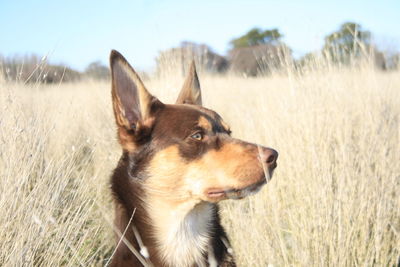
<point>184,233</point>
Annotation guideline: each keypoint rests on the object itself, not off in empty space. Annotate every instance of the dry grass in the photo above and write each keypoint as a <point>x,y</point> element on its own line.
<point>332,202</point>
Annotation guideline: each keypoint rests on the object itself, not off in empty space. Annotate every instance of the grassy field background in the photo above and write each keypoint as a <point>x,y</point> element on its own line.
<point>334,199</point>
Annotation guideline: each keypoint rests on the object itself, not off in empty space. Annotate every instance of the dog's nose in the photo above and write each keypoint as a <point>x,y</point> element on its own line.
<point>270,156</point>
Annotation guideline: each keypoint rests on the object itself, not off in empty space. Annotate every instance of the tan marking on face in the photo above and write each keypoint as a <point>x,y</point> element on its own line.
<point>233,166</point>
<point>205,123</point>
<point>166,170</point>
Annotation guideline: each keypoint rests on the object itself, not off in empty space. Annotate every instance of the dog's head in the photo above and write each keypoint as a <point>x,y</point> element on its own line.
<point>183,150</point>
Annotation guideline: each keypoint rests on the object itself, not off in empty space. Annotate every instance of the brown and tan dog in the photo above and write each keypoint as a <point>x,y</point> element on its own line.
<point>178,161</point>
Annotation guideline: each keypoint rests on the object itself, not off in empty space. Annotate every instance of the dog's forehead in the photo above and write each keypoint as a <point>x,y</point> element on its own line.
<point>189,116</point>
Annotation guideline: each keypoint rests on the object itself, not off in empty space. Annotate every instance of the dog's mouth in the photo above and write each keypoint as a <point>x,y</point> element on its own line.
<point>235,193</point>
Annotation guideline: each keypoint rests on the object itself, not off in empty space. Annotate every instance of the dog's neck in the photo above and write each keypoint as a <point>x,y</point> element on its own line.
<point>183,230</point>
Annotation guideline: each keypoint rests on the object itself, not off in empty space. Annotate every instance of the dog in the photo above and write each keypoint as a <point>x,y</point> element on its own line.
<point>178,162</point>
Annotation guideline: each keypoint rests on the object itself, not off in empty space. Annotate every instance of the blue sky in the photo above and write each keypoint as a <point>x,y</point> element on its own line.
<point>76,33</point>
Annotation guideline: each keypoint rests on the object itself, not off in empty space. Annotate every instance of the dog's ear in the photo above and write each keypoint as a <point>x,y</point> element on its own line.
<point>190,92</point>
<point>133,104</point>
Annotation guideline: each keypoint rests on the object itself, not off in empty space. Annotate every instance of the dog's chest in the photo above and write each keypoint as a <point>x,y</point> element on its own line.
<point>185,240</point>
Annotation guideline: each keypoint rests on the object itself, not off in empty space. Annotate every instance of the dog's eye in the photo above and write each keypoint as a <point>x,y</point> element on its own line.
<point>197,136</point>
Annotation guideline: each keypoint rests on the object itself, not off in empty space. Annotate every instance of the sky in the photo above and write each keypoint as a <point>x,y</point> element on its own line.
<point>76,33</point>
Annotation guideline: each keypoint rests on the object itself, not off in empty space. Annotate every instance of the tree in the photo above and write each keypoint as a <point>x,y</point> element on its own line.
<point>256,36</point>
<point>351,40</point>
<point>258,52</point>
<point>96,70</point>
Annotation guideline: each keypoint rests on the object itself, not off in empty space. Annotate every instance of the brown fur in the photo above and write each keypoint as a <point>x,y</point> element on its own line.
<point>178,161</point>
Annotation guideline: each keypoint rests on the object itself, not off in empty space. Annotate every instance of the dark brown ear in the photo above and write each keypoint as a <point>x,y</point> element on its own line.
<point>132,103</point>
<point>190,92</point>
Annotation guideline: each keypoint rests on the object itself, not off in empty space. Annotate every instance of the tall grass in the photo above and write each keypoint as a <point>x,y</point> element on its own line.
<point>333,200</point>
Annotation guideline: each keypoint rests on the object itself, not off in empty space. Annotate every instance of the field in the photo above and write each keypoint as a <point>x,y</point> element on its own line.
<point>333,201</point>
